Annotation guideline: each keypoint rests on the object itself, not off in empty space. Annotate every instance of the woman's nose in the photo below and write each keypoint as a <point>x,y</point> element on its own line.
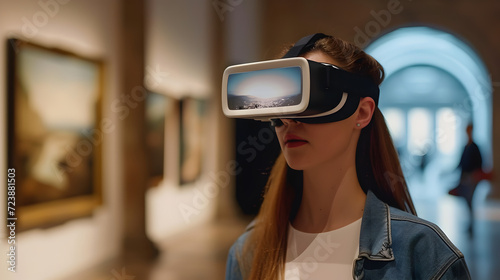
<point>281,122</point>
<point>289,121</point>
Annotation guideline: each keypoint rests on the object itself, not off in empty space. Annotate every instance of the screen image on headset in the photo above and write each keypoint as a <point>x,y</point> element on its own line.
<point>267,88</point>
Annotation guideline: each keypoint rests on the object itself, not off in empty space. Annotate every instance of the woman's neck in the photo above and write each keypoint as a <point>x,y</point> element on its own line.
<point>331,198</point>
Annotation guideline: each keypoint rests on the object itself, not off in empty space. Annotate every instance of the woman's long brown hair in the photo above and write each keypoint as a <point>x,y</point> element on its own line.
<point>264,253</point>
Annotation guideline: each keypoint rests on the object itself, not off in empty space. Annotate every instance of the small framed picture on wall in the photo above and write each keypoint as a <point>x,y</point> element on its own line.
<point>192,131</point>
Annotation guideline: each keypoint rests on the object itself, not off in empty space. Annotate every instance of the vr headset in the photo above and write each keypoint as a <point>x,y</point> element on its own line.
<point>294,88</point>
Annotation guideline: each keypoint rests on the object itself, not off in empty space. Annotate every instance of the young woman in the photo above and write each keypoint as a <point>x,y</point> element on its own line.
<point>336,204</point>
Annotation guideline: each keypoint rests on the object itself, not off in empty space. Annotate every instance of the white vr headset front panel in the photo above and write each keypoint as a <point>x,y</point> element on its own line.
<point>267,113</point>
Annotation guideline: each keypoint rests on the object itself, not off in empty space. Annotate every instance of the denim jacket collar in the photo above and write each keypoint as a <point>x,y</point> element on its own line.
<point>375,240</point>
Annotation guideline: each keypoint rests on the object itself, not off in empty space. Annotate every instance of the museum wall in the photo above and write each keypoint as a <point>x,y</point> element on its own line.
<point>180,54</point>
<point>89,29</point>
<point>179,49</point>
<point>210,36</point>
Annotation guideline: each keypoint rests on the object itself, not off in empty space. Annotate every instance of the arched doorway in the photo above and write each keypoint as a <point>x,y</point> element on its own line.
<point>435,85</point>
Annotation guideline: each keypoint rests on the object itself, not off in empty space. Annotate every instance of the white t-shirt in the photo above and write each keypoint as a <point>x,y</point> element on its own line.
<point>325,255</point>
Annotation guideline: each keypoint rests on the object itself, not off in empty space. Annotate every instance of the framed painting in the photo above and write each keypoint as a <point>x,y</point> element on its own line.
<point>159,107</point>
<point>192,124</point>
<point>54,143</point>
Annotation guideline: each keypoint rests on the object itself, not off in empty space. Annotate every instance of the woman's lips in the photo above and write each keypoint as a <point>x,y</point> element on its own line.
<point>292,141</point>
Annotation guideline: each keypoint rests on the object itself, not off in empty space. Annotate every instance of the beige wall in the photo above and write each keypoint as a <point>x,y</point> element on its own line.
<point>193,41</point>
<point>179,46</point>
<point>88,28</point>
<point>179,62</point>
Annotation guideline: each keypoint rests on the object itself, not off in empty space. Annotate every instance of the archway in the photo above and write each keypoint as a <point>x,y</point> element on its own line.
<point>435,85</point>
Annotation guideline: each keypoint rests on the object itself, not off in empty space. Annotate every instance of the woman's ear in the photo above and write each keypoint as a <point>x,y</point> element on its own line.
<point>365,112</point>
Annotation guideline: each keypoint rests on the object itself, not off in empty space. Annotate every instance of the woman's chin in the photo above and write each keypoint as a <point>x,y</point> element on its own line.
<point>297,165</point>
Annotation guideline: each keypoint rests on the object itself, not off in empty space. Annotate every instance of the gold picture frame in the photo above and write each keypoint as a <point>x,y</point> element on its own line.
<point>54,142</point>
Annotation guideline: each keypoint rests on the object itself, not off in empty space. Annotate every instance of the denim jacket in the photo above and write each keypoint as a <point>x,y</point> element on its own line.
<point>393,245</point>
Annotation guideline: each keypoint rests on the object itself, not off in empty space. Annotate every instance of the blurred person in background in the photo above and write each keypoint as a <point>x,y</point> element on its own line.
<point>471,170</point>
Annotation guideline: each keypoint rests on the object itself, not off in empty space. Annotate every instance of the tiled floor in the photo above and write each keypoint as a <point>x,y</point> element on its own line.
<point>482,250</point>
<point>200,254</point>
